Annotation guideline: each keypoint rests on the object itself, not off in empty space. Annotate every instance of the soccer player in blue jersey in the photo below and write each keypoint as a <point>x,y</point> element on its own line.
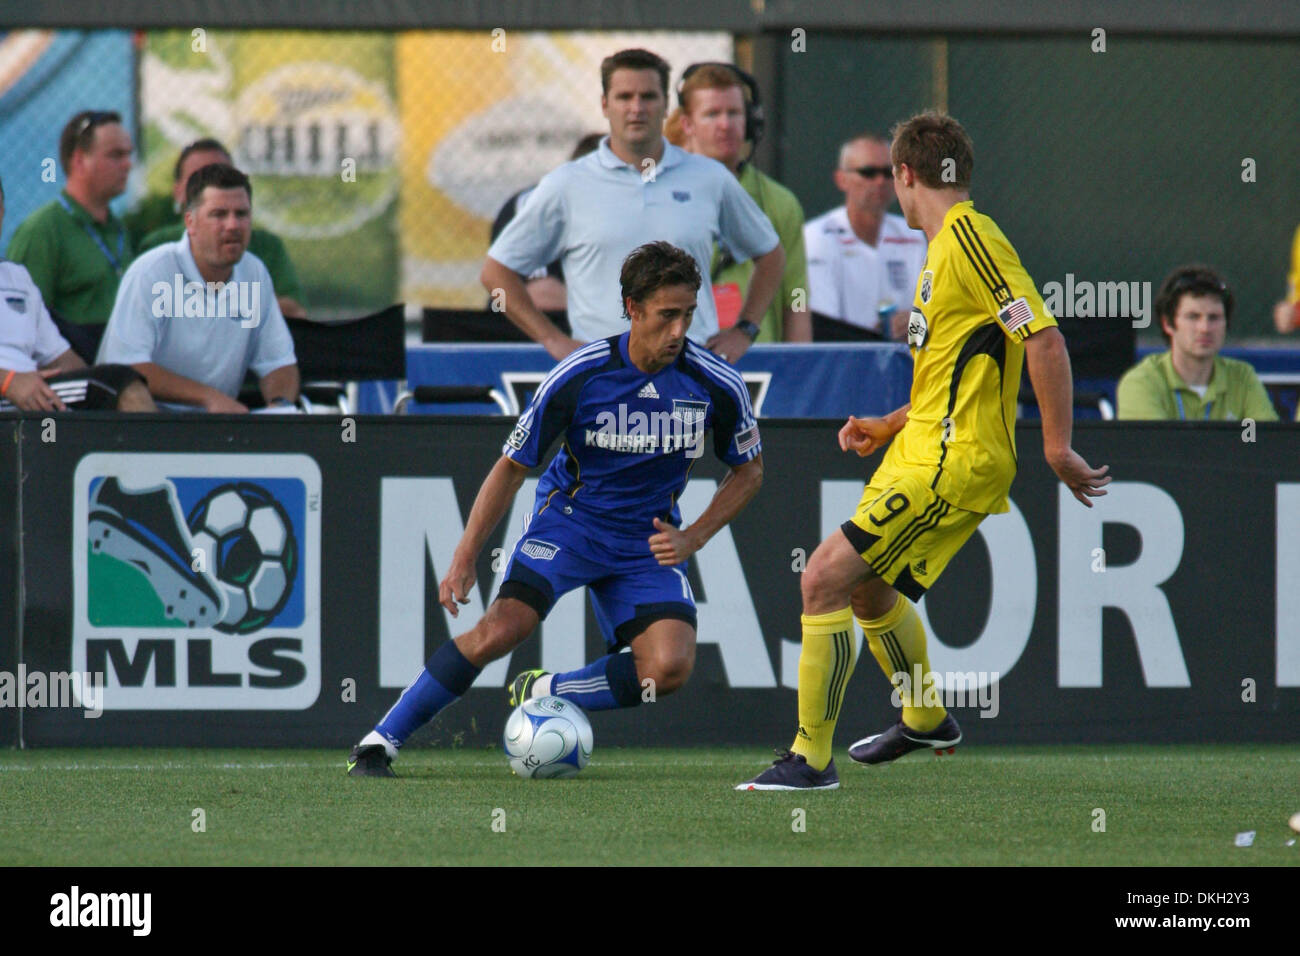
<point>631,412</point>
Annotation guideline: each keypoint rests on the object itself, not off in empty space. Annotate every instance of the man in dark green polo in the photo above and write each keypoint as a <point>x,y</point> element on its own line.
<point>74,247</point>
<point>167,226</point>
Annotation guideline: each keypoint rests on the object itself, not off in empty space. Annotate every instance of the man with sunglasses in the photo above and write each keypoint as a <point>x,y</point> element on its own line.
<point>75,248</point>
<point>1191,381</point>
<point>863,262</point>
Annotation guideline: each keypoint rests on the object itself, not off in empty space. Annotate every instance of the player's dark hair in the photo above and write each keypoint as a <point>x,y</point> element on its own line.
<point>1194,280</point>
<point>205,145</point>
<point>634,59</point>
<point>218,175</point>
<point>925,143</point>
<point>79,134</point>
<point>653,266</point>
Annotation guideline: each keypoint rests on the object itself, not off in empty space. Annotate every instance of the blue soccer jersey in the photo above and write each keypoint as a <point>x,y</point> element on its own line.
<point>630,438</point>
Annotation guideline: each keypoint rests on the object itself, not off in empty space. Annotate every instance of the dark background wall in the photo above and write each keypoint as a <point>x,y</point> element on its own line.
<point>1112,166</point>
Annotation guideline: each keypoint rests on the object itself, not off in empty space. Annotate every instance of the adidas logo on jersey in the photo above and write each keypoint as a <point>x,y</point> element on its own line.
<point>648,391</point>
<point>919,567</point>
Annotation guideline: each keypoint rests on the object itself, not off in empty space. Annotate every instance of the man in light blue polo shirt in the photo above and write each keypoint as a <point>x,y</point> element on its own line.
<point>636,188</point>
<point>193,316</point>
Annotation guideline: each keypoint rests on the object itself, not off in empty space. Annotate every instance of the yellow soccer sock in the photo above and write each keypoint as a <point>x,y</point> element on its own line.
<point>830,649</point>
<point>897,642</point>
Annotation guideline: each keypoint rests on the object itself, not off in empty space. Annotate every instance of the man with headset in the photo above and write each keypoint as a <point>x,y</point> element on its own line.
<point>716,118</point>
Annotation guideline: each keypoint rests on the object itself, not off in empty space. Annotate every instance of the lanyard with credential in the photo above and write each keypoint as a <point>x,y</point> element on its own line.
<point>114,261</point>
<point>1178,397</point>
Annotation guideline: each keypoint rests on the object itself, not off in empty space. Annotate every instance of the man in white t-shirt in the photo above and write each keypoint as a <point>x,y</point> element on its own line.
<point>195,315</point>
<point>635,188</point>
<point>863,262</point>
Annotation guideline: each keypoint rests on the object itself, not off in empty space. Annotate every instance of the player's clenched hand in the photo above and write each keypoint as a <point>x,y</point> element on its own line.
<point>865,435</point>
<point>671,545</point>
<point>1082,479</point>
<point>454,588</point>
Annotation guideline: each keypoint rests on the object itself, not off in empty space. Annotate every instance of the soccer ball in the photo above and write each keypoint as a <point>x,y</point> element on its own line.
<point>250,551</point>
<point>547,737</point>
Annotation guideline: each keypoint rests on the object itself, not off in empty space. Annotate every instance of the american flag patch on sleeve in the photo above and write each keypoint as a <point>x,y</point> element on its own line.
<point>1016,314</point>
<point>747,439</point>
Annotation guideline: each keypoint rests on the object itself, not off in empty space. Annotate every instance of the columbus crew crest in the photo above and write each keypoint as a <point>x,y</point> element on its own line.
<point>927,286</point>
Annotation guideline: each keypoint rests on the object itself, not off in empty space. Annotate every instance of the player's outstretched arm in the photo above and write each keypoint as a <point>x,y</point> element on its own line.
<point>672,546</point>
<point>497,277</point>
<point>494,497</point>
<point>866,435</point>
<point>1049,372</point>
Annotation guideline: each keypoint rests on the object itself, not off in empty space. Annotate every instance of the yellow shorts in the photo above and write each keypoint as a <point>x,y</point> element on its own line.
<point>907,533</point>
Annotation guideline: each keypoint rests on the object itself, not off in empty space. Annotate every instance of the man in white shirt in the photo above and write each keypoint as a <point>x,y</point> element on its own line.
<point>636,188</point>
<point>863,262</point>
<point>193,316</point>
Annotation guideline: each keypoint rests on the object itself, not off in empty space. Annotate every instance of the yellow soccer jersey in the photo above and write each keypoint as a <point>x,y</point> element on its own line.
<point>974,307</point>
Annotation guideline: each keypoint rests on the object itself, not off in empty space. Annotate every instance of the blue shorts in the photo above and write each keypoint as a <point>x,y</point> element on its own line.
<point>629,589</point>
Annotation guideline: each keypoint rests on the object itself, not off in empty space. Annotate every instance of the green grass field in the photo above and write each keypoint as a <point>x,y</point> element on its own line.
<point>1176,805</point>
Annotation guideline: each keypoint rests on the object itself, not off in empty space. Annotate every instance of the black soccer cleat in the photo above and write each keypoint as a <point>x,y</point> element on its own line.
<point>900,740</point>
<point>371,760</point>
<point>523,683</point>
<point>790,771</point>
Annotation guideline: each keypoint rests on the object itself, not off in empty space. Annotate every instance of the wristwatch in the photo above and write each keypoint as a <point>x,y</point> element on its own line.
<point>749,328</point>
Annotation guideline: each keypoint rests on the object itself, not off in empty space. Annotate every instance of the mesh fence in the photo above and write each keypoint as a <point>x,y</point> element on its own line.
<point>382,157</point>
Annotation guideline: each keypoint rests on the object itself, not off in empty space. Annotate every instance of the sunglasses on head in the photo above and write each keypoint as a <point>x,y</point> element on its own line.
<point>871,172</point>
<point>97,118</point>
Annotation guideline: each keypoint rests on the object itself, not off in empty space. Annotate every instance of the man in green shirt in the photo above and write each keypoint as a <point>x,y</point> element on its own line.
<point>75,248</point>
<point>712,121</point>
<point>265,245</point>
<point>1191,381</point>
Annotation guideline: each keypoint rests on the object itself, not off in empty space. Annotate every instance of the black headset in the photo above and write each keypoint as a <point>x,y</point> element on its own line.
<point>754,121</point>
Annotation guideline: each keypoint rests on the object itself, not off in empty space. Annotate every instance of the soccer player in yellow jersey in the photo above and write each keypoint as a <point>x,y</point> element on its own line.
<point>976,319</point>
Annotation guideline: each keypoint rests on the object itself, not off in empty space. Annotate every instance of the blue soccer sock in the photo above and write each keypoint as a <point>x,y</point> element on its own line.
<point>445,678</point>
<point>602,685</point>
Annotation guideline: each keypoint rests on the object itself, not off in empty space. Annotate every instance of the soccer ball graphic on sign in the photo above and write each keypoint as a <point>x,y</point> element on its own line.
<point>250,551</point>
<point>547,737</point>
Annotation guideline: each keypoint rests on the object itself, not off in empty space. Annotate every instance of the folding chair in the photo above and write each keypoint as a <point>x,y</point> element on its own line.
<point>334,356</point>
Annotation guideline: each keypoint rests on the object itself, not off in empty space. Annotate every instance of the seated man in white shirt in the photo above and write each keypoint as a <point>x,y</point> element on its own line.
<point>39,372</point>
<point>863,262</point>
<point>193,316</point>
